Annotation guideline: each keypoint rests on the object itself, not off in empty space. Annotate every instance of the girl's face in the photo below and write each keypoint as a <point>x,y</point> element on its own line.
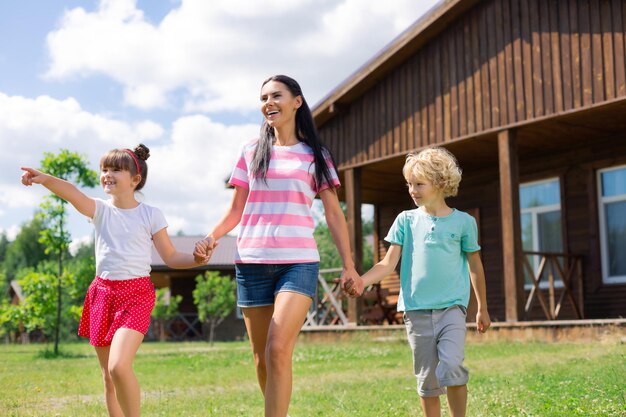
<point>423,192</point>
<point>278,105</point>
<point>116,181</point>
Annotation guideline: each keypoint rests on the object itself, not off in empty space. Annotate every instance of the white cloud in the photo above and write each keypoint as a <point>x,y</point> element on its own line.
<point>187,167</point>
<point>216,55</point>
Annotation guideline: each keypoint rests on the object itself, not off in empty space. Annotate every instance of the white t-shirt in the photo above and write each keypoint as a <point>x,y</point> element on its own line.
<point>124,239</point>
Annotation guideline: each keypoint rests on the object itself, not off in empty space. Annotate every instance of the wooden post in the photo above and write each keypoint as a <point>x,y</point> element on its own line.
<point>353,202</point>
<point>511,229</point>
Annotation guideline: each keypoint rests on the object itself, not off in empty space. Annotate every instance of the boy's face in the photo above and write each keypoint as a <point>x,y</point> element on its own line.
<point>423,192</point>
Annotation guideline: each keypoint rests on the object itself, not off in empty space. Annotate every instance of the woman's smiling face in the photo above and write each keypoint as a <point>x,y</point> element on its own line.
<point>278,105</point>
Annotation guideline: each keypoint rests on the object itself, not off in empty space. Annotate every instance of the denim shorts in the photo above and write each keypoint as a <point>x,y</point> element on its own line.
<point>258,284</point>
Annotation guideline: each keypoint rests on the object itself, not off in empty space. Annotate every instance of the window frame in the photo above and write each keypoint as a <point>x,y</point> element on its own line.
<point>534,214</point>
<point>604,244</point>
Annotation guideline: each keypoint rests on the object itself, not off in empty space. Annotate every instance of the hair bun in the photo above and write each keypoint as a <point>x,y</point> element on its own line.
<point>142,151</point>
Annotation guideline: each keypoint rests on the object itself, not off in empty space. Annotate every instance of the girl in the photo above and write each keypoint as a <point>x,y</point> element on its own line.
<point>116,313</point>
<point>275,181</point>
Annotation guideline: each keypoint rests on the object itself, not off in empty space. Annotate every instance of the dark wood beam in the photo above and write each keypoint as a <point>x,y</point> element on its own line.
<point>353,201</point>
<point>511,229</point>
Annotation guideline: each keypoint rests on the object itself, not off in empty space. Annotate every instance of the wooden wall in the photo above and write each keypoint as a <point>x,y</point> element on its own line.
<point>502,63</point>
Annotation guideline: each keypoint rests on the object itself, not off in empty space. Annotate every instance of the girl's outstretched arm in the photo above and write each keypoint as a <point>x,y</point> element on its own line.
<point>66,190</point>
<point>169,254</point>
<point>350,280</point>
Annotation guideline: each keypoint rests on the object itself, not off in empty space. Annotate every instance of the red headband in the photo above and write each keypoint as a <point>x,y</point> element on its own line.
<point>136,160</point>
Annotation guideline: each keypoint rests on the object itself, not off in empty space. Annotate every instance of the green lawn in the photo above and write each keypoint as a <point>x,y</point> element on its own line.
<point>361,377</point>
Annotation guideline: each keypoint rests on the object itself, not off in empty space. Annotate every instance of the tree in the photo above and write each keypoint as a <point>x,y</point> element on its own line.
<point>69,166</point>
<point>25,251</point>
<point>165,308</point>
<point>214,296</point>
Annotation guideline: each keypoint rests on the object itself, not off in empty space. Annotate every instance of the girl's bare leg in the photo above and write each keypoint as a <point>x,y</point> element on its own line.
<point>113,407</point>
<point>124,346</point>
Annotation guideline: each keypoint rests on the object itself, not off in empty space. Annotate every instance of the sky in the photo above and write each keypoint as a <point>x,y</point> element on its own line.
<point>181,76</point>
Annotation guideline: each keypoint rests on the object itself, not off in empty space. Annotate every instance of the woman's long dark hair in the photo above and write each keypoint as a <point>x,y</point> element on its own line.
<point>305,131</point>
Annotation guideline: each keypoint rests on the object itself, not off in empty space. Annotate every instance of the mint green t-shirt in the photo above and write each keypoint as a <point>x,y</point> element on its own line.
<point>433,270</point>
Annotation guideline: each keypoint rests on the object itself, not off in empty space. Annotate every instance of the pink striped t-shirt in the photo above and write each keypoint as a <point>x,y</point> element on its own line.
<point>277,224</point>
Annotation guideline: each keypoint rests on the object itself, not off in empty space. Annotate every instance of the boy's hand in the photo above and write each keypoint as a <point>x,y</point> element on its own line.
<point>483,322</point>
<point>32,176</point>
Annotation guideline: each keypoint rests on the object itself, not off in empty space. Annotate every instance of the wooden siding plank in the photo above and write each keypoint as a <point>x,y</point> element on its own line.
<point>437,69</point>
<point>454,81</point>
<point>430,94</point>
<point>389,89</point>
<point>596,52</point>
<point>576,53</point>
<point>535,36</point>
<point>476,73</point>
<point>445,86</point>
<point>401,146</point>
<point>527,59</point>
<point>518,68</point>
<point>618,48</point>
<point>469,74</point>
<point>424,98</point>
<point>408,105</point>
<point>607,49</point>
<point>484,67</point>
<point>394,146</point>
<point>417,106</point>
<point>496,107</point>
<point>566,57</point>
<point>546,58</point>
<point>370,129</point>
<point>506,86</point>
<point>555,53</point>
<point>380,119</point>
<point>462,79</point>
<point>585,53</point>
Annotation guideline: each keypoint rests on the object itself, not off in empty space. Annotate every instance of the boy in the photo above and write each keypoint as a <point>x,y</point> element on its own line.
<point>439,250</point>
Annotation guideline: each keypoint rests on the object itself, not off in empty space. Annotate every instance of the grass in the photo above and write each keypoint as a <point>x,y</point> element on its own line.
<point>360,377</point>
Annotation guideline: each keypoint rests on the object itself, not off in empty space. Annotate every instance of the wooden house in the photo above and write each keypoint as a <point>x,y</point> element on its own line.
<point>530,95</point>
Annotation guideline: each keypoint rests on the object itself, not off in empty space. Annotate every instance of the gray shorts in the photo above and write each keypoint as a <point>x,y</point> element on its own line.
<point>437,338</point>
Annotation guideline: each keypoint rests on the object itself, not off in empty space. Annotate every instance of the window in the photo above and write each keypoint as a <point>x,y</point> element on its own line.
<point>612,210</point>
<point>540,207</point>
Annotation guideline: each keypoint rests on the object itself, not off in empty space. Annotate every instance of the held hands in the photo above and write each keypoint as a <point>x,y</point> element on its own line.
<point>32,176</point>
<point>204,249</point>
<point>483,322</point>
<point>351,283</point>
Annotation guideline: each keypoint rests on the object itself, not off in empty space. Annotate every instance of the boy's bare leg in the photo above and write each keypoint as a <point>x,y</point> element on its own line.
<point>431,406</point>
<point>457,400</point>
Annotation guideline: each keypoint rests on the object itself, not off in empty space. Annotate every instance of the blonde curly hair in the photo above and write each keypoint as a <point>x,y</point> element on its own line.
<point>436,165</point>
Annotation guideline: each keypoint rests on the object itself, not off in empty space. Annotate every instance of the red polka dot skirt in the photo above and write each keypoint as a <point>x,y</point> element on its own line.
<point>114,304</point>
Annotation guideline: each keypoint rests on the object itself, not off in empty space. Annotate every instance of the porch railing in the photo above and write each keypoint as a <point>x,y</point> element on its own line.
<point>327,308</point>
<point>555,266</point>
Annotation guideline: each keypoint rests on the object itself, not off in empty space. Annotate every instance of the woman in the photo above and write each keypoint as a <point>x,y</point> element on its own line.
<point>276,180</point>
